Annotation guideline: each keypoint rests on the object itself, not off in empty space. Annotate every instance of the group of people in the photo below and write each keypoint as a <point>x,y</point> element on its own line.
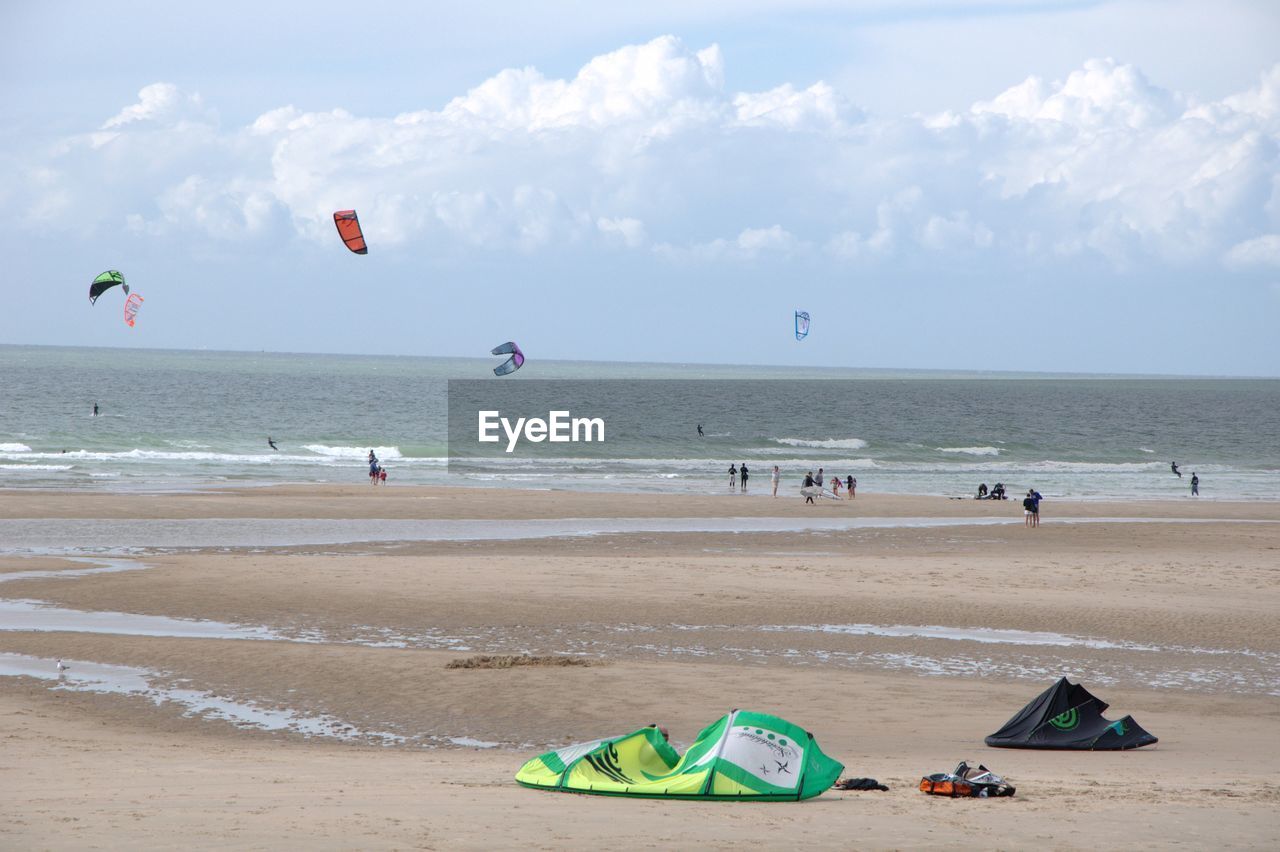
<point>996,493</point>
<point>377,473</point>
<point>818,480</point>
<point>739,474</point>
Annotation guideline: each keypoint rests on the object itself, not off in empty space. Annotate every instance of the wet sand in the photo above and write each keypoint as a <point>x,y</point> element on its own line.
<point>898,647</point>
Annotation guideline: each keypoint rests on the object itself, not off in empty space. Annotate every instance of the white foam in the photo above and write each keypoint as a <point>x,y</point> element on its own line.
<point>35,466</point>
<point>825,444</point>
<point>361,453</point>
<point>14,448</point>
<point>971,451</point>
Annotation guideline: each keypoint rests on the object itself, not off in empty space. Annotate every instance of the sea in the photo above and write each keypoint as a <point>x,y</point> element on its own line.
<point>174,420</point>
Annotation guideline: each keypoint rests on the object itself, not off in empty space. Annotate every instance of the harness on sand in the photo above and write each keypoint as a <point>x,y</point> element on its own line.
<point>966,781</point>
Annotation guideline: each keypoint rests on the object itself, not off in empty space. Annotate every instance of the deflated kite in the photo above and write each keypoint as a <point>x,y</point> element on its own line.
<point>741,756</point>
<point>349,229</point>
<point>515,362</point>
<point>105,282</point>
<point>802,325</point>
<point>131,306</point>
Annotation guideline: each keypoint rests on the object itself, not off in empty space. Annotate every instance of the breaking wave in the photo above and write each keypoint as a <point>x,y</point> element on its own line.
<point>361,453</point>
<point>828,444</point>
<point>971,451</point>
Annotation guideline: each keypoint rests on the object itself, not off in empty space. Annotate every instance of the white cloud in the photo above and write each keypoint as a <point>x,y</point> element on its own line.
<point>643,149</point>
<point>1259,251</point>
<point>158,102</point>
<point>630,231</point>
<point>942,233</point>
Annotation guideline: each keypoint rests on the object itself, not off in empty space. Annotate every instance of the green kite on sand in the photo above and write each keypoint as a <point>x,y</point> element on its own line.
<point>740,756</point>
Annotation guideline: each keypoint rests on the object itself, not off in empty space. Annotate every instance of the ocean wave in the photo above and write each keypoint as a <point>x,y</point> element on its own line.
<point>35,466</point>
<point>971,451</point>
<point>14,448</point>
<point>1146,450</point>
<point>827,444</point>
<point>361,452</point>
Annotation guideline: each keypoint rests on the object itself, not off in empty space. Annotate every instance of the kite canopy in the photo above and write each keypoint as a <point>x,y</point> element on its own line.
<point>742,755</point>
<point>131,306</point>
<point>1067,716</point>
<point>802,325</point>
<point>349,230</point>
<point>515,362</point>
<point>105,282</point>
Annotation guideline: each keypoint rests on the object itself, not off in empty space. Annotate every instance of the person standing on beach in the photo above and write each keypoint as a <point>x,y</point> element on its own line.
<point>853,486</point>
<point>776,475</point>
<point>742,477</point>
<point>835,487</point>
<point>1028,509</point>
<point>1195,484</point>
<point>733,475</point>
<point>817,480</point>
<point>373,468</point>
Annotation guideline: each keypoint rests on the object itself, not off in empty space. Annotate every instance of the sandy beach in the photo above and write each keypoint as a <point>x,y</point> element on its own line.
<point>898,630</point>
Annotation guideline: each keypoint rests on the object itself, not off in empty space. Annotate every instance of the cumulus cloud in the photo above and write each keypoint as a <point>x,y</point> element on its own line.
<point>643,149</point>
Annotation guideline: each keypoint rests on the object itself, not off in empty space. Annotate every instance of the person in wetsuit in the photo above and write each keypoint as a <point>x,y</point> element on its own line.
<point>271,443</point>
<point>1174,467</point>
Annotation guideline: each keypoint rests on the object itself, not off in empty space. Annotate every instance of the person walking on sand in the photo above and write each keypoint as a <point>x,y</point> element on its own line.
<point>776,475</point>
<point>1195,484</point>
<point>853,486</point>
<point>742,477</point>
<point>733,475</point>
<point>808,483</point>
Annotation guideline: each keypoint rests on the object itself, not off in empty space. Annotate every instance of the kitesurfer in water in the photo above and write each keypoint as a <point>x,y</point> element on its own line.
<point>1174,467</point>
<point>700,435</point>
<point>95,409</point>
<point>271,443</point>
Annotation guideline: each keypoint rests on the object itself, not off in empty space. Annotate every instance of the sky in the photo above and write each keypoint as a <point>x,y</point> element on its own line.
<point>1043,186</point>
